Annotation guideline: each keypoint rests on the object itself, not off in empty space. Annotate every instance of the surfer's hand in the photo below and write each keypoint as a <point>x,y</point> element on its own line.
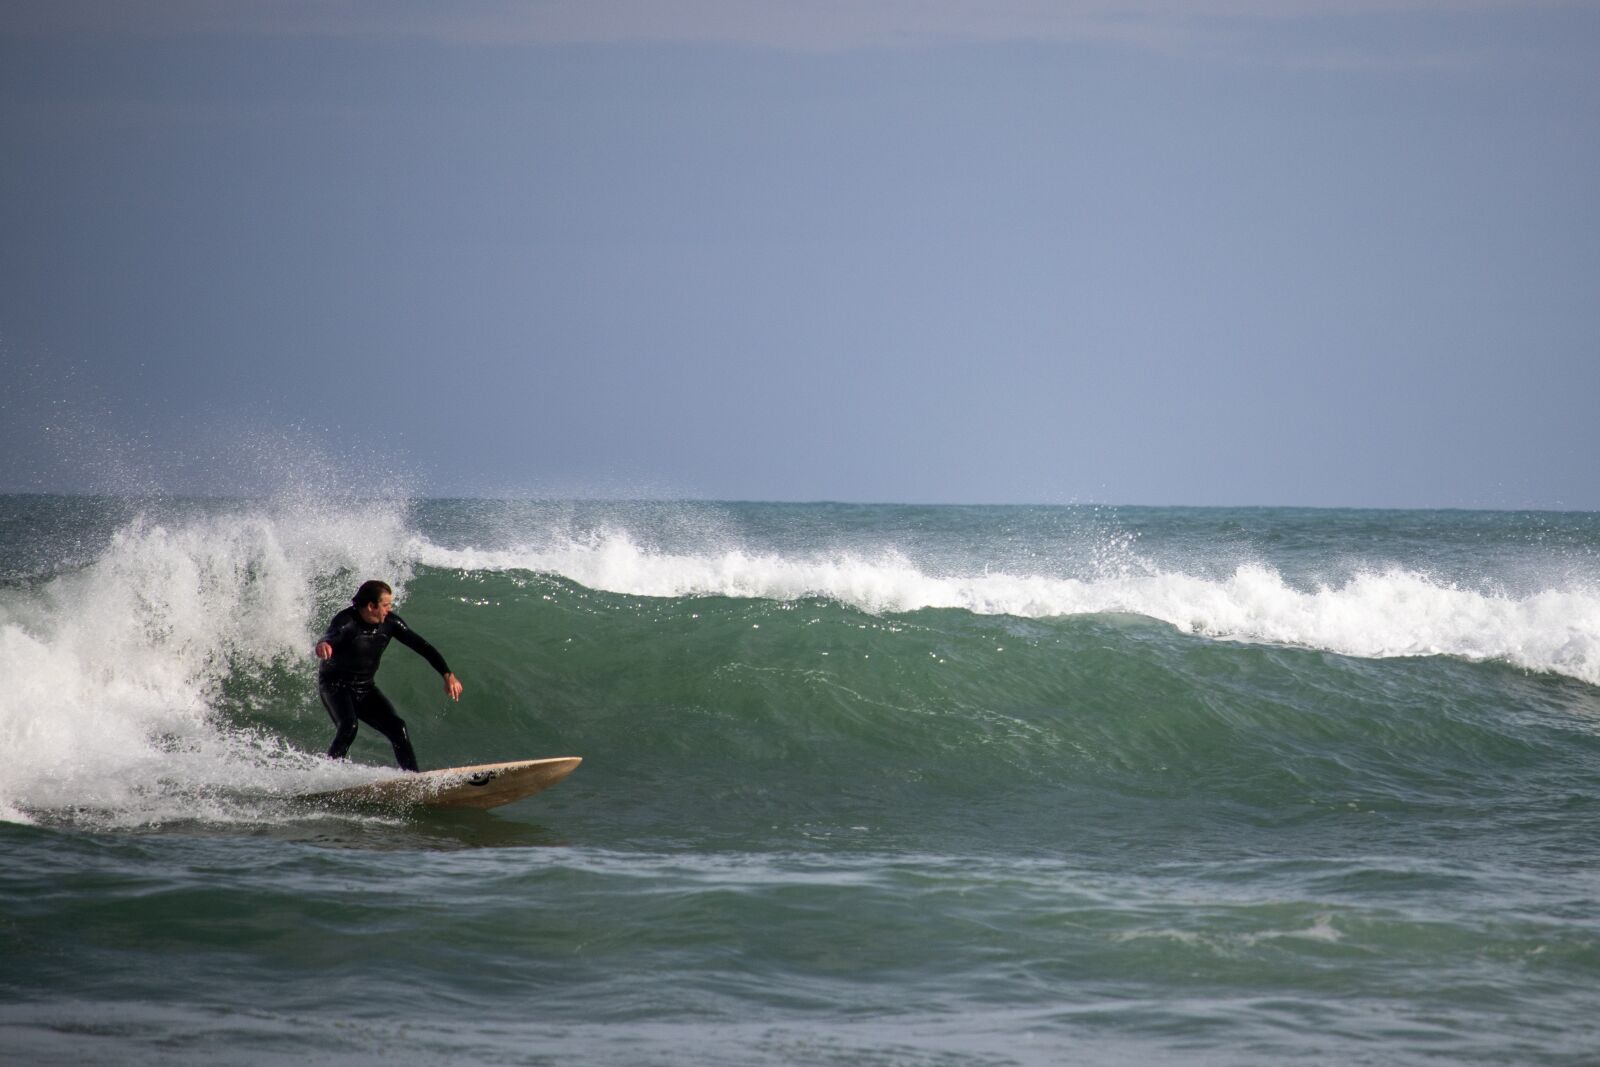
<point>323,650</point>
<point>452,687</point>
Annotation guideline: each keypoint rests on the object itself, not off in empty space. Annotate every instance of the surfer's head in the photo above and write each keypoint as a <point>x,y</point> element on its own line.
<point>373,600</point>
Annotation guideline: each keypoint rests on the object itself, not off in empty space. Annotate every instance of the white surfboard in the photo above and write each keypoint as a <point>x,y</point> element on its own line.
<point>486,785</point>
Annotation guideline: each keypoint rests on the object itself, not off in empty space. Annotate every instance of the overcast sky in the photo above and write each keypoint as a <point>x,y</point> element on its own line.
<point>1340,252</point>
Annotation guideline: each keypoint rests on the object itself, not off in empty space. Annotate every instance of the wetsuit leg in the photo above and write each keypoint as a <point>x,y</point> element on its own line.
<point>341,705</point>
<point>376,711</point>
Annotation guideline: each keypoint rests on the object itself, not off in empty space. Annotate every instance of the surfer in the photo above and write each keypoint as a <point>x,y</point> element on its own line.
<point>349,651</point>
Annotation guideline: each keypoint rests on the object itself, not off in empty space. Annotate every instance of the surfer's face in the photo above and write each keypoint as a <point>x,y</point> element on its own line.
<point>377,612</point>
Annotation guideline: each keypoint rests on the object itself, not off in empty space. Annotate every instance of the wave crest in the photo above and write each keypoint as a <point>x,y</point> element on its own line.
<point>1374,613</point>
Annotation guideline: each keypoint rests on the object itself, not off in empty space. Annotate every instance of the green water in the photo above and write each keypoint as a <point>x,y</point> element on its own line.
<point>860,785</point>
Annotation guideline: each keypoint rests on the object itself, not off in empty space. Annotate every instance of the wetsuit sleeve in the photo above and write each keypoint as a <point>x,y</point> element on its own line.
<point>414,641</point>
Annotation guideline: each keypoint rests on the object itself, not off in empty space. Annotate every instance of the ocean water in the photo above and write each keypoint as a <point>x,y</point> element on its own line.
<point>861,785</point>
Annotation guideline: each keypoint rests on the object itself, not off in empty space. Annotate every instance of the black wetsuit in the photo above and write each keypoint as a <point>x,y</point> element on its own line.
<point>345,680</point>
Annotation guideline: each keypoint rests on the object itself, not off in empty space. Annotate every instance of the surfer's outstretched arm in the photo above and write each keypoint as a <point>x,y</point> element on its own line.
<point>418,644</point>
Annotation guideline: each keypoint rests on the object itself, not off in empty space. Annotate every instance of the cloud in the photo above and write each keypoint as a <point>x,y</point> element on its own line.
<point>813,25</point>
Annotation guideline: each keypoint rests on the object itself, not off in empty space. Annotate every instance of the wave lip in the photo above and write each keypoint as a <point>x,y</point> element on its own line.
<point>1373,614</point>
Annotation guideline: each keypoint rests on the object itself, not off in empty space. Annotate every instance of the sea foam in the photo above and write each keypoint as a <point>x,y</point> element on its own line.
<point>113,670</point>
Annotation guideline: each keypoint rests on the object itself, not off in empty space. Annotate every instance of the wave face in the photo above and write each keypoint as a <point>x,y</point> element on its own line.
<point>1339,764</point>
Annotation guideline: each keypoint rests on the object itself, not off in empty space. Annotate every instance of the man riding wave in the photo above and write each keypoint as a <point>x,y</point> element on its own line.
<point>350,649</point>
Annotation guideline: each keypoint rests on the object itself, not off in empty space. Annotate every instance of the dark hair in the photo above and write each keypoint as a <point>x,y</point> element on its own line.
<point>371,592</point>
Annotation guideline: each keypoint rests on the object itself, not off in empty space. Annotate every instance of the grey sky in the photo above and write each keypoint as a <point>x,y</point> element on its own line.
<point>1341,253</point>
